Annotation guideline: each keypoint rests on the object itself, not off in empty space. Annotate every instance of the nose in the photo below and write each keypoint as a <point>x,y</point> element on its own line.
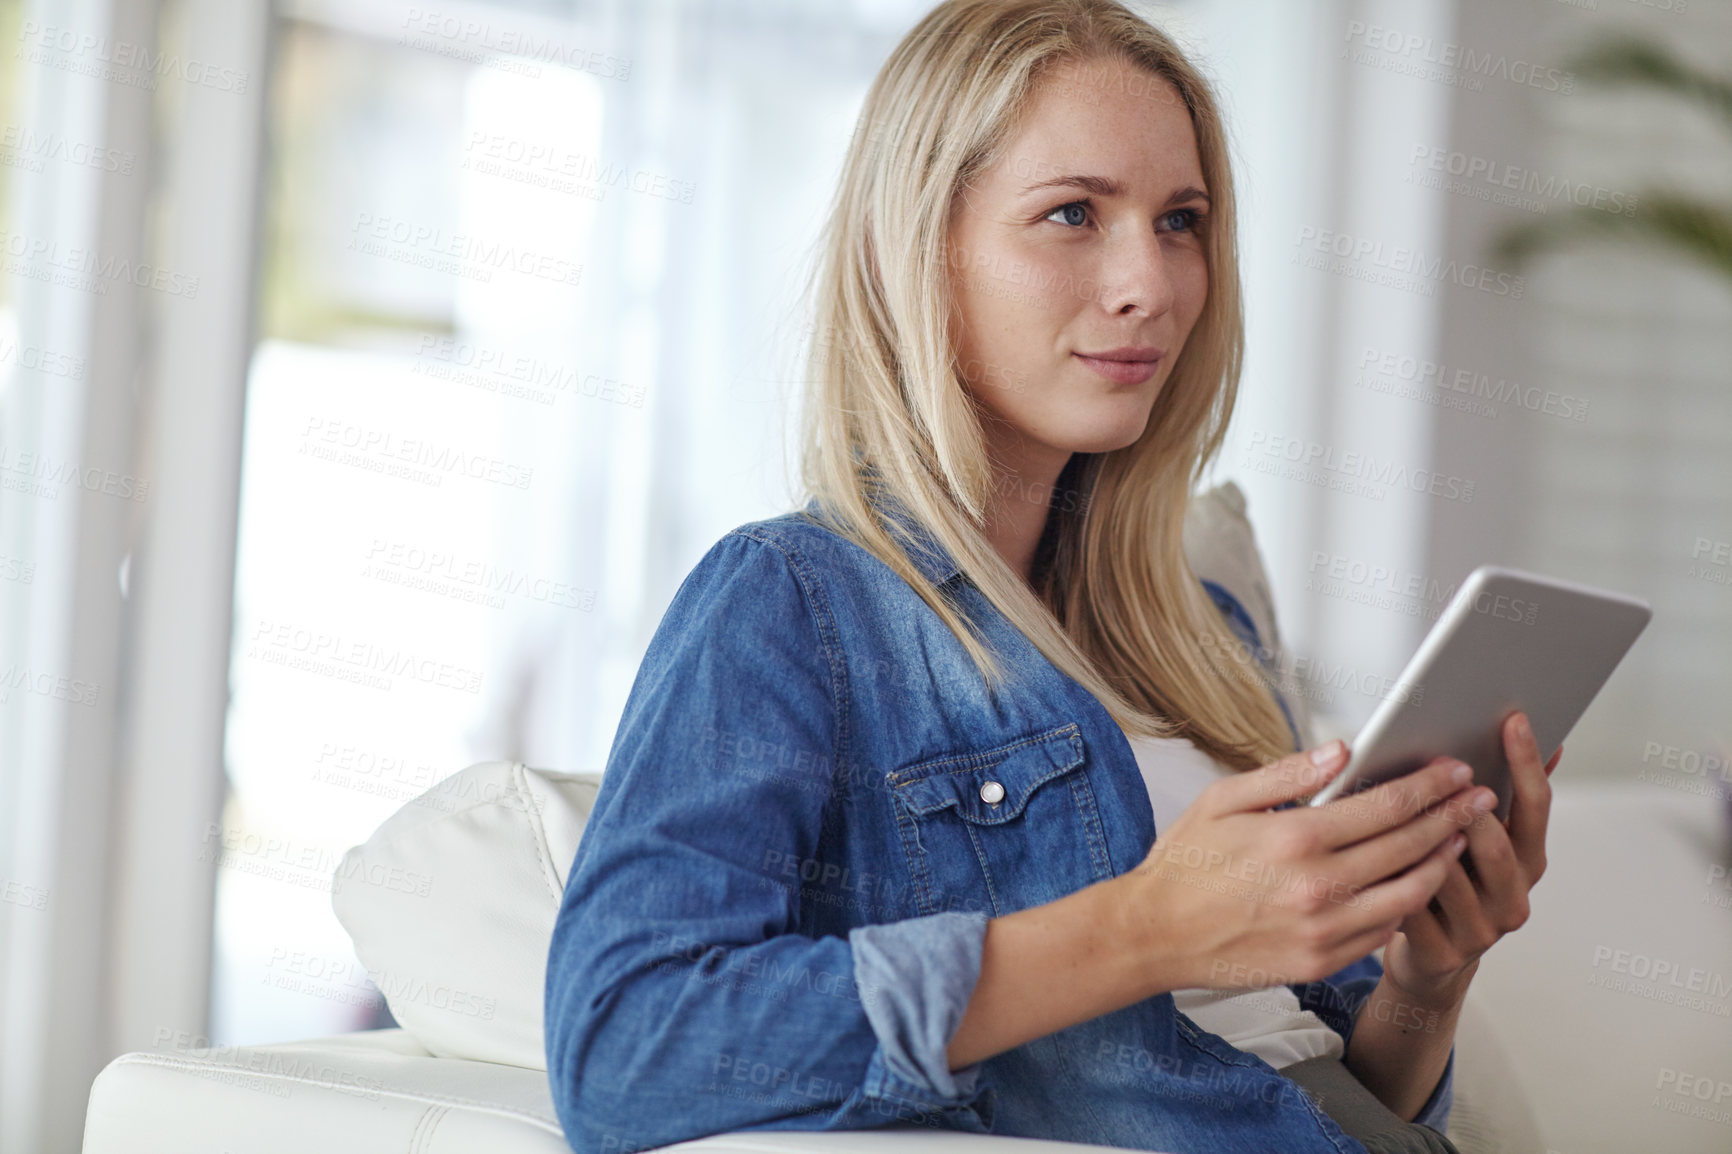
<point>1136,277</point>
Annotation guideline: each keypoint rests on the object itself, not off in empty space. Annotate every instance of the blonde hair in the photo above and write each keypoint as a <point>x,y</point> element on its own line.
<point>886,416</point>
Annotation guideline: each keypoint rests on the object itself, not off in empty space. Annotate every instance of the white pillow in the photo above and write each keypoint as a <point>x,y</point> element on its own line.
<point>451,906</point>
<point>1221,546</point>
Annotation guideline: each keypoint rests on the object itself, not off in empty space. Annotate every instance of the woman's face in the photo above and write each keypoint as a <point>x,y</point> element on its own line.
<point>1076,264</point>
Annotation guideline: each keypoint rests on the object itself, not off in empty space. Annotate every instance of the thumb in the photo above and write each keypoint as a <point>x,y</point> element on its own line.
<point>1294,776</point>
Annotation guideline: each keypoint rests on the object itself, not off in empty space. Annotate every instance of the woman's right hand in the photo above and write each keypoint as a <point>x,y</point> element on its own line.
<point>1232,895</point>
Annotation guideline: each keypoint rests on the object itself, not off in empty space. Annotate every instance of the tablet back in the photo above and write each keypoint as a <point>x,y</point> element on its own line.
<point>1508,640</point>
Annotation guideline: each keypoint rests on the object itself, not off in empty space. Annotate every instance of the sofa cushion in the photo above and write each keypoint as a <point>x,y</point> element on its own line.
<point>451,905</point>
<point>372,1091</point>
<point>380,1091</point>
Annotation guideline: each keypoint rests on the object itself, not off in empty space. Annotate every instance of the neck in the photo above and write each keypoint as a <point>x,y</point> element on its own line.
<point>1023,475</point>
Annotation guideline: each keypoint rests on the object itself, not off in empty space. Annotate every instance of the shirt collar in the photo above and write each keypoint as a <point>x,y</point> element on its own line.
<point>929,557</point>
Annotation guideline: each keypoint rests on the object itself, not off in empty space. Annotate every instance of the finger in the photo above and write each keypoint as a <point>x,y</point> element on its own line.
<point>1500,878</point>
<point>1426,933</point>
<point>1466,917</point>
<point>1363,943</point>
<point>1350,819</point>
<point>1392,851</point>
<point>1399,897</point>
<point>1294,776</point>
<point>1531,794</point>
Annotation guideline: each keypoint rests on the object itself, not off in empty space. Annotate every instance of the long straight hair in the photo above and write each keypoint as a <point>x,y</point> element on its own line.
<point>887,419</point>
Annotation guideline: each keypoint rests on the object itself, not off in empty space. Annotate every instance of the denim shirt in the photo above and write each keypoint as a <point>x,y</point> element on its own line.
<point>812,807</point>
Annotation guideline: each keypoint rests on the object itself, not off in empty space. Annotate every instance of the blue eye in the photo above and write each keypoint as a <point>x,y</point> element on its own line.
<point>1076,213</point>
<point>1189,217</point>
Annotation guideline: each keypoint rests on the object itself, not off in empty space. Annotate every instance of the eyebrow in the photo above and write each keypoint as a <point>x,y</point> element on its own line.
<point>1105,186</point>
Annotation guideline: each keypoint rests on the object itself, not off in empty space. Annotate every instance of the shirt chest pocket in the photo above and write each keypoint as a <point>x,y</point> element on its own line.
<point>1001,829</point>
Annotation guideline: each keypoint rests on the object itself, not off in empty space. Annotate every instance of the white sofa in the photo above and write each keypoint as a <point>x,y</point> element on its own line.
<point>451,905</point>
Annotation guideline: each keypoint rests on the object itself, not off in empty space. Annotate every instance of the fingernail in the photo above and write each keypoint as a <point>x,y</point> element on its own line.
<point>1461,774</point>
<point>1484,801</point>
<point>1457,842</point>
<point>1523,729</point>
<point>1326,755</point>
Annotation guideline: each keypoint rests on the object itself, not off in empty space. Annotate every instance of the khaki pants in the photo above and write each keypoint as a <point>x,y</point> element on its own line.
<point>1358,1112</point>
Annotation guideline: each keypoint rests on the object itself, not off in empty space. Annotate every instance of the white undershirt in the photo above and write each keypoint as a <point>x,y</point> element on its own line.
<point>1266,1022</point>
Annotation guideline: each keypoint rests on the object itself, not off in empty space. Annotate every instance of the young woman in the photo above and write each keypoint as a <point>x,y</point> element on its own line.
<point>948,798</point>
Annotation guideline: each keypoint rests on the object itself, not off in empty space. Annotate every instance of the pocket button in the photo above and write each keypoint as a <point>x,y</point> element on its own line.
<point>991,793</point>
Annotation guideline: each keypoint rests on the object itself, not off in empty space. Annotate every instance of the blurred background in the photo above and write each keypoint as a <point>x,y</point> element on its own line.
<point>372,373</point>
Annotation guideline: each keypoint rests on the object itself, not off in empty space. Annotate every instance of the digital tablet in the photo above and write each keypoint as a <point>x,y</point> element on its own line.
<point>1507,641</point>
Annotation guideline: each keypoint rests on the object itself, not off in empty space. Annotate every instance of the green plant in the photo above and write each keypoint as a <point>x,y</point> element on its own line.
<point>1677,220</point>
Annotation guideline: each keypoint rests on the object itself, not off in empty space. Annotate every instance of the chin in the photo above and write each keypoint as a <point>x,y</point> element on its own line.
<point>1115,426</point>
<point>1104,438</point>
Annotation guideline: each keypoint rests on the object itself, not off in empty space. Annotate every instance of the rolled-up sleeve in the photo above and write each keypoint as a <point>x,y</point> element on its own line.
<point>681,1001</point>
<point>915,979</point>
<point>1337,1000</point>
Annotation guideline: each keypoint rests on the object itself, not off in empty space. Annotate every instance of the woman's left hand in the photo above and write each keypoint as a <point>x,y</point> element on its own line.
<point>1433,957</point>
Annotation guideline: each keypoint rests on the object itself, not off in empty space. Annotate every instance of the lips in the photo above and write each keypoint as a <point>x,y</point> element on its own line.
<point>1125,353</point>
<point>1126,366</point>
